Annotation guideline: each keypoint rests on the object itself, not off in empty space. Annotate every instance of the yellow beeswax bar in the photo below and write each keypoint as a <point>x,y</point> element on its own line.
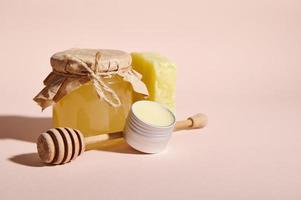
<point>159,75</point>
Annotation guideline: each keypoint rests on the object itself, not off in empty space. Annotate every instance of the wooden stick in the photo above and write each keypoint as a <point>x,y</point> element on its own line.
<point>61,145</point>
<point>102,137</point>
<point>194,122</point>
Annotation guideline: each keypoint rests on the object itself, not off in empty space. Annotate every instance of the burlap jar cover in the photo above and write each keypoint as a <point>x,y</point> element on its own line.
<point>74,67</point>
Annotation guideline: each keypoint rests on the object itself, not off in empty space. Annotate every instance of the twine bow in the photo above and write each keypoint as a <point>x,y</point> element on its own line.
<point>100,87</point>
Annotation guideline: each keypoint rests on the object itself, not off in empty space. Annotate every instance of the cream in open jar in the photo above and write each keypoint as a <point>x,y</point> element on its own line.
<point>149,126</point>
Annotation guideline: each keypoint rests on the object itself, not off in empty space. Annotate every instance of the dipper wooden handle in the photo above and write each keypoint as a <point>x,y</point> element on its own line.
<point>196,121</point>
<point>61,145</point>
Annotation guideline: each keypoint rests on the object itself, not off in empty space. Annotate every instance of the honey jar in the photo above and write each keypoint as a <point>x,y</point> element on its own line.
<point>91,90</point>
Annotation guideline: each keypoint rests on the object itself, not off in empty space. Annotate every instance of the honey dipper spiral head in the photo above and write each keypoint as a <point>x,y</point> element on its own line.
<point>60,145</point>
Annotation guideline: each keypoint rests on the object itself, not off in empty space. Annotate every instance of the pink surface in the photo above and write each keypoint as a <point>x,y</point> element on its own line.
<point>238,62</point>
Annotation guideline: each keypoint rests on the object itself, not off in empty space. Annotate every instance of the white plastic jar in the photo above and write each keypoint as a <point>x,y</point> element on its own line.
<point>149,126</point>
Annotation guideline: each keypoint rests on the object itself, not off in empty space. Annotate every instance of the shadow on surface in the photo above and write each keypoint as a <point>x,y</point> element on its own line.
<point>116,146</point>
<point>29,128</point>
<point>23,128</point>
<point>28,159</point>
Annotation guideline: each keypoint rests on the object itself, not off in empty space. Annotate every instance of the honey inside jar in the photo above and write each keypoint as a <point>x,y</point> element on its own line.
<point>82,109</point>
<point>90,90</point>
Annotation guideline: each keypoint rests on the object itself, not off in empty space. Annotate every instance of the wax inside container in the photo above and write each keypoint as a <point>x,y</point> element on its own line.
<point>153,113</point>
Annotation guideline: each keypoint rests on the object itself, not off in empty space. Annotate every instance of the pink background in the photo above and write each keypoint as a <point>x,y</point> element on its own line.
<point>238,62</point>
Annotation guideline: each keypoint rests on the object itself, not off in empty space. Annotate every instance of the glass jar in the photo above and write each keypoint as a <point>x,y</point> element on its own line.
<point>90,90</point>
<point>82,109</point>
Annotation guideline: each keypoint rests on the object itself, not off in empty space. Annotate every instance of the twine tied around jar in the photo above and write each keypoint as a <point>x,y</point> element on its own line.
<point>100,87</point>
<point>75,67</point>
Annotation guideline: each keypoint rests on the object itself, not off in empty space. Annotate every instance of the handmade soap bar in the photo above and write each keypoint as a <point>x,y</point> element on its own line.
<point>159,75</point>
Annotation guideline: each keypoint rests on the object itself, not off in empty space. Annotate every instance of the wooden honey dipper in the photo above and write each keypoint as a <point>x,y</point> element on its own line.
<point>62,145</point>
